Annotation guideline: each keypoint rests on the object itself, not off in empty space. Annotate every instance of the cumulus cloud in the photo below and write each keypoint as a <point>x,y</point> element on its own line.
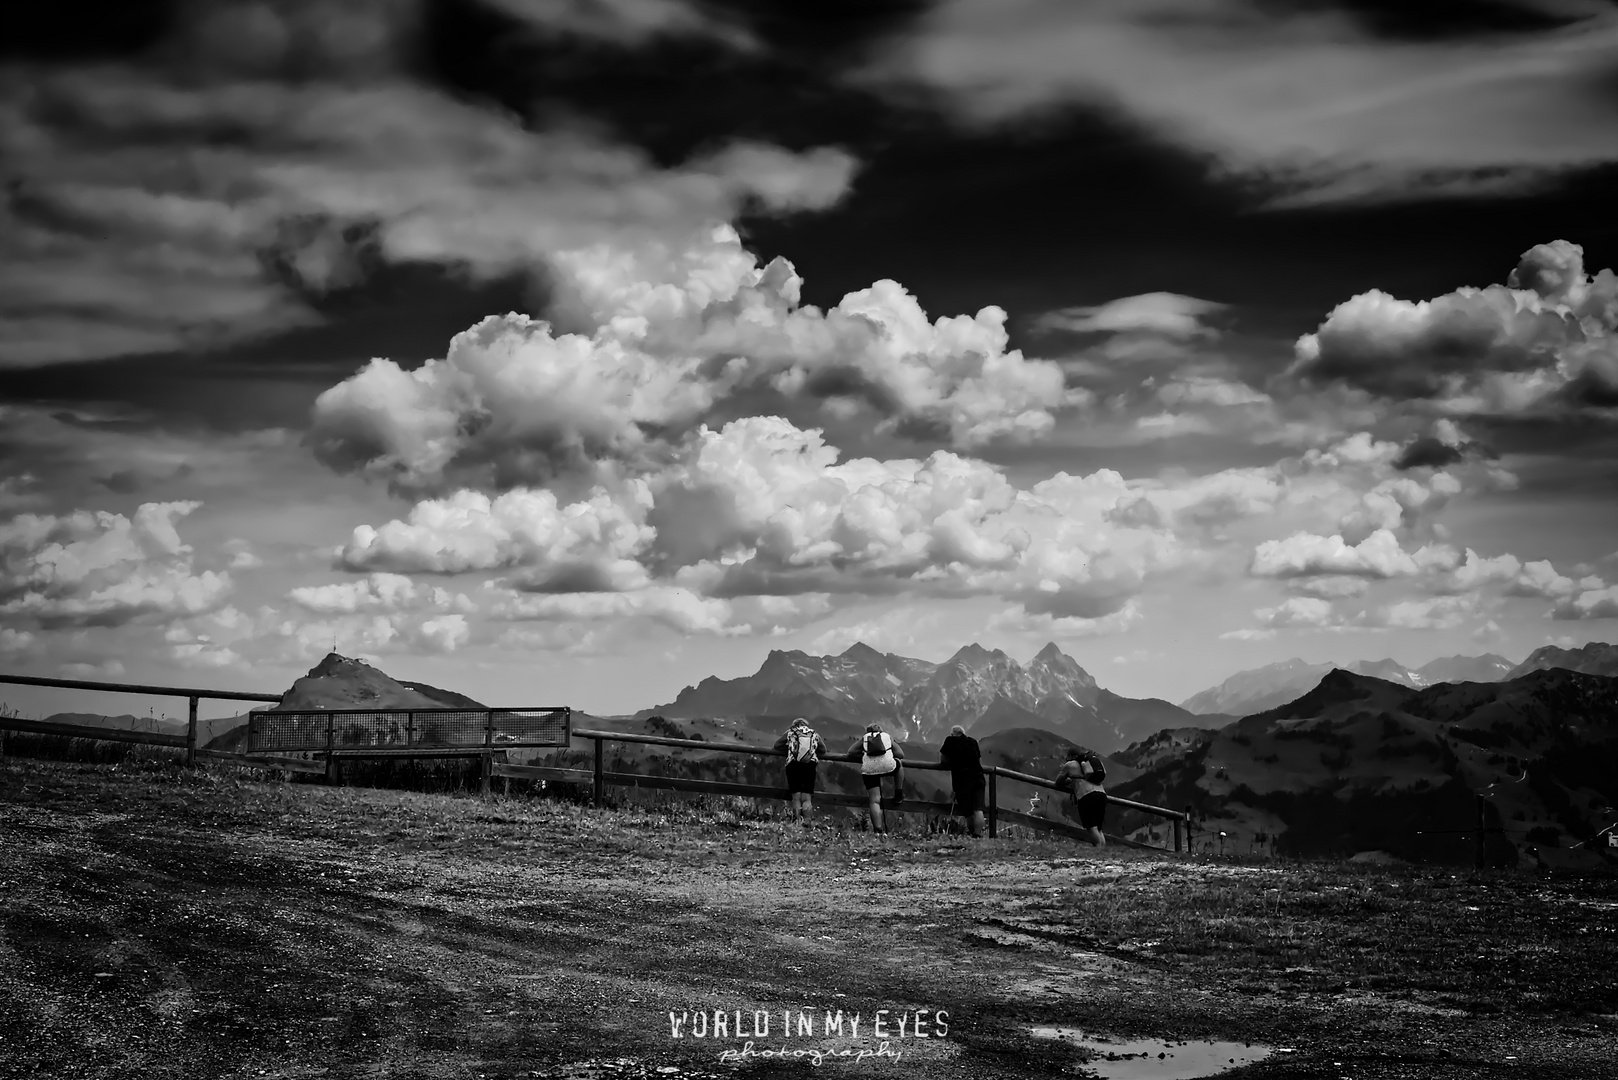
<point>380,592</point>
<point>515,401</point>
<point>675,607</point>
<point>103,569</point>
<point>1298,611</point>
<point>1432,613</point>
<point>1544,340</point>
<point>592,541</point>
<point>1593,603</point>
<point>1379,555</point>
<point>1161,313</point>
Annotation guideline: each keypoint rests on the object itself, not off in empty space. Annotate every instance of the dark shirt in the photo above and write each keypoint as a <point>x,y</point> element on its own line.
<point>965,761</point>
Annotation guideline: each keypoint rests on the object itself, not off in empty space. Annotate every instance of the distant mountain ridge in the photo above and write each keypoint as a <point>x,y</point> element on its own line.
<point>1595,658</point>
<point>1266,687</point>
<point>1359,763</point>
<point>983,690</point>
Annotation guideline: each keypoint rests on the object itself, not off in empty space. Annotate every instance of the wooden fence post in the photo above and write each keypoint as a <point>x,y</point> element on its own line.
<point>488,751</point>
<point>191,735</point>
<point>994,805</point>
<point>1179,825</point>
<point>331,759</point>
<point>410,729</point>
<point>600,780</point>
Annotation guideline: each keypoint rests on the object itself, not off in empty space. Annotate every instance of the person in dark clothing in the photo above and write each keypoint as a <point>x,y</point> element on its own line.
<point>961,755</point>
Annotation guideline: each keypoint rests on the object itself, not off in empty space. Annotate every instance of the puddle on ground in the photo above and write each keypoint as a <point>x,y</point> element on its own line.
<point>1156,1059</point>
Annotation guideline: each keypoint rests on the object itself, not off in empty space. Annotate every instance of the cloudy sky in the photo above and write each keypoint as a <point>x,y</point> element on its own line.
<point>571,351</point>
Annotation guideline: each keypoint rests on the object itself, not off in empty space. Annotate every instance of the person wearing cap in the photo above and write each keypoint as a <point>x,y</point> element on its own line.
<point>962,756</point>
<point>803,748</point>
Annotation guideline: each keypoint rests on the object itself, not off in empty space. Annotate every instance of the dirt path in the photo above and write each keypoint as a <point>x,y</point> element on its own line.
<point>170,924</point>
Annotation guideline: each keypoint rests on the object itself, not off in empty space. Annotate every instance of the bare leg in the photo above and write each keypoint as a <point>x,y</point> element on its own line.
<point>977,823</point>
<point>875,808</point>
<point>1096,837</point>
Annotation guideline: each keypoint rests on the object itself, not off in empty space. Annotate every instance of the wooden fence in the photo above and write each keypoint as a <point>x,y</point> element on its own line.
<point>598,778</point>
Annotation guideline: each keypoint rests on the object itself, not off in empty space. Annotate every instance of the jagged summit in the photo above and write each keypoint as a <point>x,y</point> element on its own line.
<point>860,651</point>
<point>981,689</point>
<point>976,654</point>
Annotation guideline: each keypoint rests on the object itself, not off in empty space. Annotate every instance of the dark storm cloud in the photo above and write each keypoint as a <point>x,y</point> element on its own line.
<point>218,185</point>
<point>1328,105</point>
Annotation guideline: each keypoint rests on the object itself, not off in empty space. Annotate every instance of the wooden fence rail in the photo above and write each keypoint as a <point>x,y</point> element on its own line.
<point>600,779</point>
<point>598,776</point>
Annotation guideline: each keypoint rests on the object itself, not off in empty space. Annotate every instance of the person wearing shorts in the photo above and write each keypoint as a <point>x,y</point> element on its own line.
<point>1078,777</point>
<point>879,757</point>
<point>804,748</point>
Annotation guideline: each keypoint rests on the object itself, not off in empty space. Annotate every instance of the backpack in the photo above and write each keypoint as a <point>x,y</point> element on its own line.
<point>875,744</point>
<point>801,745</point>
<point>1095,766</point>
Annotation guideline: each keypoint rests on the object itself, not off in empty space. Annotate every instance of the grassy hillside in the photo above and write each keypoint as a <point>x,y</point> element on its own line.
<point>169,924</point>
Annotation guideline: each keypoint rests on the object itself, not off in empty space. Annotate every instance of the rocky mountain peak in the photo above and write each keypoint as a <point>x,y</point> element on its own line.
<point>862,653</point>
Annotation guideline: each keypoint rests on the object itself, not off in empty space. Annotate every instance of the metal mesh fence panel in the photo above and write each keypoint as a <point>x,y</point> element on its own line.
<point>543,727</point>
<point>402,729</point>
<point>278,731</point>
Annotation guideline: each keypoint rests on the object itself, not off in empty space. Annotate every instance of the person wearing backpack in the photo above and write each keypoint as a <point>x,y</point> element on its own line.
<point>879,757</point>
<point>804,748</point>
<point>1081,776</point>
<point>963,758</point>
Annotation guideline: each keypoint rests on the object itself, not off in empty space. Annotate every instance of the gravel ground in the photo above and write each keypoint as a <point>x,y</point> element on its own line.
<point>161,923</point>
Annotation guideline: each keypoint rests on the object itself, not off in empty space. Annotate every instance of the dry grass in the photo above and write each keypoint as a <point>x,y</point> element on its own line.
<point>245,926</point>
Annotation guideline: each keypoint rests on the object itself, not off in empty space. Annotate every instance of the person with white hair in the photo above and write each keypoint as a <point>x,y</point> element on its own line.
<point>879,757</point>
<point>804,748</point>
<point>964,759</point>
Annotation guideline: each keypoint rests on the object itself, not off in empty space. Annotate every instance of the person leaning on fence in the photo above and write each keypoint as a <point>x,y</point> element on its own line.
<point>1081,776</point>
<point>804,749</point>
<point>961,755</point>
<point>879,758</point>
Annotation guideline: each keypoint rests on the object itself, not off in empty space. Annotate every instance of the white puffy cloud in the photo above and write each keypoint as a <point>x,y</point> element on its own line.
<point>1432,613</point>
<point>678,608</point>
<point>1540,578</point>
<point>380,591</point>
<point>1474,571</point>
<point>1592,603</point>
<point>102,568</point>
<point>1162,313</point>
<point>590,544</point>
<point>1546,339</point>
<point>1330,587</point>
<point>443,633</point>
<point>14,641</point>
<point>673,338</point>
<point>1298,611</point>
<point>1379,555</point>
<point>1022,620</point>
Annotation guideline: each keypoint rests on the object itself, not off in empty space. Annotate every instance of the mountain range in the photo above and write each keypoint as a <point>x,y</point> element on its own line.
<point>1596,658</point>
<point>1266,687</point>
<point>982,690</point>
<point>1360,763</point>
